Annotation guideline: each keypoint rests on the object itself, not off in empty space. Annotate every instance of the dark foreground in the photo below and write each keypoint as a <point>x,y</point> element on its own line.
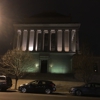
<point>13,95</point>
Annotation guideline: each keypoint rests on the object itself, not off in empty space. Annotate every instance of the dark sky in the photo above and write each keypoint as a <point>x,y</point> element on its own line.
<point>86,12</point>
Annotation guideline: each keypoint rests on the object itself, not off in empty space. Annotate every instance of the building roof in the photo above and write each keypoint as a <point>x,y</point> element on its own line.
<point>47,17</point>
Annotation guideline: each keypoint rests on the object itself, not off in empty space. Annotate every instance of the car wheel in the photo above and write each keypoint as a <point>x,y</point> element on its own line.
<point>4,89</point>
<point>47,91</point>
<point>78,93</point>
<point>23,90</point>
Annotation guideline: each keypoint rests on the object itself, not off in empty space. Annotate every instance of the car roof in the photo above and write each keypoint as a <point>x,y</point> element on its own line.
<point>43,80</point>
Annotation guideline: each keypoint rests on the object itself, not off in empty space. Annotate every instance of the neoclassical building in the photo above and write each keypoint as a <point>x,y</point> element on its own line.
<point>51,38</point>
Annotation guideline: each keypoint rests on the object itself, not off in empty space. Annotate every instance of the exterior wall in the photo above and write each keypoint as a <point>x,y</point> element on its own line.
<point>34,65</point>
<point>57,64</point>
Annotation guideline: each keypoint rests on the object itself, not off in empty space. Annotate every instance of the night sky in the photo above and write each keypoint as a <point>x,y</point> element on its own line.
<point>85,12</point>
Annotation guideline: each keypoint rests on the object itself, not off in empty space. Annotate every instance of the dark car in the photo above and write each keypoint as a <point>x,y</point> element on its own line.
<point>86,89</point>
<point>42,86</point>
<point>5,82</point>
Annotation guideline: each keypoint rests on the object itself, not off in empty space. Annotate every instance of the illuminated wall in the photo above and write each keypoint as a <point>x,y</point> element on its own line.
<point>56,64</point>
<point>34,67</point>
<point>59,64</point>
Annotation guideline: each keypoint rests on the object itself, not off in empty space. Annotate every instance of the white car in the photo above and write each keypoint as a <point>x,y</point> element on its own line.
<point>5,82</point>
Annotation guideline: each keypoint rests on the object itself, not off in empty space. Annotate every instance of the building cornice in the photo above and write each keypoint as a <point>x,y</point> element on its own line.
<point>48,25</point>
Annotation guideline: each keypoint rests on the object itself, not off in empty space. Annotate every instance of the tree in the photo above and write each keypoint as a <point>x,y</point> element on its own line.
<point>83,64</point>
<point>16,62</point>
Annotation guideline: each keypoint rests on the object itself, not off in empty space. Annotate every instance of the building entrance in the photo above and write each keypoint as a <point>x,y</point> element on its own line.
<point>43,66</point>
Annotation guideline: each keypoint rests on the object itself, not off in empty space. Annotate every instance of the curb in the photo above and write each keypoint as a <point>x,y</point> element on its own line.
<point>56,92</point>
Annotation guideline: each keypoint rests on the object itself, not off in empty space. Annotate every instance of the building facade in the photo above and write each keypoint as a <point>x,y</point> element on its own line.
<point>51,44</point>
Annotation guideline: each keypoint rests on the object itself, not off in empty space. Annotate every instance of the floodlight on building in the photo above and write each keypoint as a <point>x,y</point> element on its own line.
<point>36,65</point>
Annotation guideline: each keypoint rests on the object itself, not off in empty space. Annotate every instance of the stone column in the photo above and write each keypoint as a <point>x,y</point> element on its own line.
<point>59,40</point>
<point>36,40</point>
<point>66,40</point>
<point>18,39</point>
<point>31,39</point>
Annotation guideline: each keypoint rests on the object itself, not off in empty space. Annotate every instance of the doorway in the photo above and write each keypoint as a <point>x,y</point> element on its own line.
<point>44,66</point>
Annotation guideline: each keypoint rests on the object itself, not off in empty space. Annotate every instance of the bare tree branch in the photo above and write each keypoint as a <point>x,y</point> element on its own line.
<point>83,64</point>
<point>14,62</point>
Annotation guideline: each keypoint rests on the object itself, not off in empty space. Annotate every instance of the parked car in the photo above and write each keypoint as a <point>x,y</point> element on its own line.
<point>42,86</point>
<point>86,89</point>
<point>5,82</point>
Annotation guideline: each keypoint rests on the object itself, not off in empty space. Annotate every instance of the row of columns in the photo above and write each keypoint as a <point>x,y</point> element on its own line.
<point>65,39</point>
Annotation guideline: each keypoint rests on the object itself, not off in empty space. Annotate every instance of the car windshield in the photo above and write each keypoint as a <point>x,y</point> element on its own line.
<point>33,82</point>
<point>89,85</point>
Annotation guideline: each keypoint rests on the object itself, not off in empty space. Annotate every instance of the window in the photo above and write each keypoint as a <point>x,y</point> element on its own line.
<point>33,82</point>
<point>97,85</point>
<point>89,85</point>
<point>43,82</point>
<point>95,67</point>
